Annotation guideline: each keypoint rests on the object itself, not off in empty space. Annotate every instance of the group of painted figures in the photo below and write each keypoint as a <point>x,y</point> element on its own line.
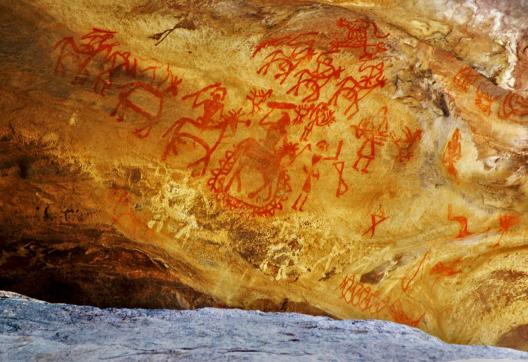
<point>252,173</point>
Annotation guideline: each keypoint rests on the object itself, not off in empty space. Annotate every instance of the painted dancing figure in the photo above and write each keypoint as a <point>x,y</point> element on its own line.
<point>312,171</point>
<point>373,131</point>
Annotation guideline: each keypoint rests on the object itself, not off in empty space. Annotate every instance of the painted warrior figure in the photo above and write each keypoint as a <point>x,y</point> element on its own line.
<point>312,171</point>
<point>374,132</point>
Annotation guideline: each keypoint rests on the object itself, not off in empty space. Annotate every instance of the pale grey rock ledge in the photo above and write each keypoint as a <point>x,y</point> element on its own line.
<point>35,330</point>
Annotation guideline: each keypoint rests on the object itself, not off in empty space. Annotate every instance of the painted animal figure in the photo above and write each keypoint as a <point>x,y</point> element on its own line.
<point>212,119</point>
<point>257,159</point>
<point>285,63</point>
<point>316,79</point>
<point>353,90</point>
<point>117,61</point>
<point>131,92</point>
<point>92,44</point>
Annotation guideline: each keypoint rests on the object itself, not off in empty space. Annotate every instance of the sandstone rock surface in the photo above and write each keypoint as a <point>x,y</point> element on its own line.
<point>356,159</point>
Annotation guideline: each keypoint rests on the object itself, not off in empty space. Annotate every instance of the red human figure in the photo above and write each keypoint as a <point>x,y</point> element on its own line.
<point>258,98</point>
<point>302,111</point>
<point>319,115</point>
<point>373,131</point>
<point>407,143</point>
<point>465,78</point>
<point>302,49</point>
<point>304,40</point>
<point>315,80</point>
<point>360,35</point>
<point>213,108</point>
<point>342,186</point>
<point>452,153</point>
<point>377,218</point>
<point>285,63</point>
<point>145,90</point>
<point>277,130</point>
<point>212,118</point>
<point>348,89</point>
<point>372,75</point>
<point>461,220</point>
<point>353,90</point>
<point>312,171</point>
<point>513,105</point>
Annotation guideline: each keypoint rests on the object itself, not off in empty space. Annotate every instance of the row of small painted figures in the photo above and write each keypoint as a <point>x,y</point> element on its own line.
<point>291,54</point>
<point>161,82</point>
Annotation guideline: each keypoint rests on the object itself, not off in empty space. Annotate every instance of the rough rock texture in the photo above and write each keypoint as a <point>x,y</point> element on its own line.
<point>35,330</point>
<point>356,159</point>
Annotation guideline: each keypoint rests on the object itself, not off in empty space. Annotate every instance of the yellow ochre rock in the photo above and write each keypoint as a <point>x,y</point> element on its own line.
<point>356,159</point>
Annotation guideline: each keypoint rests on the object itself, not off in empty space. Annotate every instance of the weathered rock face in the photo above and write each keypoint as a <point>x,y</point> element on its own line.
<point>32,330</point>
<point>355,159</point>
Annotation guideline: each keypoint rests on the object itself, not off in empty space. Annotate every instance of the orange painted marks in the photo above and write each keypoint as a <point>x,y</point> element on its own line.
<point>157,95</point>
<point>446,269</point>
<point>96,56</point>
<point>375,219</point>
<point>361,34</point>
<point>465,78</point>
<point>452,153</point>
<point>95,43</point>
<point>318,115</point>
<point>258,97</point>
<point>342,186</point>
<point>266,160</point>
<point>398,315</point>
<point>362,296</point>
<point>368,300</point>
<point>484,101</point>
<point>513,105</point>
<point>252,173</point>
<point>251,157</point>
<point>297,41</point>
<point>314,70</point>
<point>507,222</point>
<point>307,63</point>
<point>213,118</point>
<point>295,50</point>
<point>373,131</point>
<point>461,220</point>
<point>315,79</point>
<point>407,143</point>
<point>312,171</point>
<point>350,90</point>
<point>407,281</point>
